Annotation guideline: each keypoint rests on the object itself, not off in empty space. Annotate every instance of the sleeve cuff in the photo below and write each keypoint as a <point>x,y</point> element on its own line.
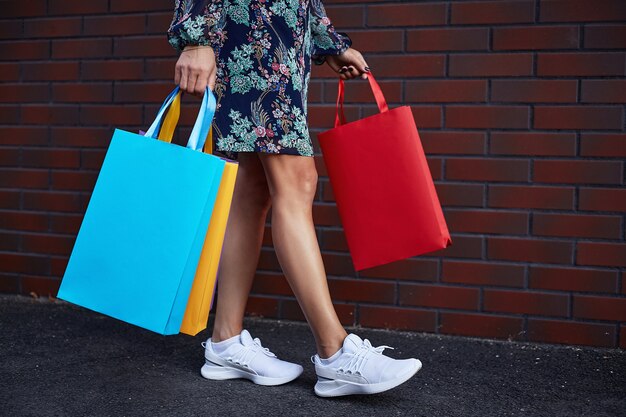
<point>319,59</point>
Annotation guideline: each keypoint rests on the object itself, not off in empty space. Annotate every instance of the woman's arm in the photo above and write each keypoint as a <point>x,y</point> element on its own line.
<point>195,26</point>
<point>332,47</point>
<point>195,22</point>
<point>325,39</point>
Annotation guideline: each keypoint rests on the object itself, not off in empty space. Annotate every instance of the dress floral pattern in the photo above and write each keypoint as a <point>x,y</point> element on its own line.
<point>264,50</point>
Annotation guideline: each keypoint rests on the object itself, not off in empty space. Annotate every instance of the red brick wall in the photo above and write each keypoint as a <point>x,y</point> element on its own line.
<point>520,106</point>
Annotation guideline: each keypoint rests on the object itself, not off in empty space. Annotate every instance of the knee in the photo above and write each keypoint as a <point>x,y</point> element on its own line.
<point>300,188</point>
<point>308,183</point>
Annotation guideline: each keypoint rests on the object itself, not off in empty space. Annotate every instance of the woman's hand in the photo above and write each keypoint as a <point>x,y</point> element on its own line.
<point>195,69</point>
<point>350,64</point>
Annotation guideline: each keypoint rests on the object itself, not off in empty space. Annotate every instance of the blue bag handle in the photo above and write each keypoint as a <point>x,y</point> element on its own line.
<point>201,126</point>
<point>154,128</point>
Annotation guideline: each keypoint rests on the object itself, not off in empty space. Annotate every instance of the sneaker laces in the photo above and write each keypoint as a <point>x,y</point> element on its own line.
<point>265,350</point>
<point>357,361</point>
<point>245,356</point>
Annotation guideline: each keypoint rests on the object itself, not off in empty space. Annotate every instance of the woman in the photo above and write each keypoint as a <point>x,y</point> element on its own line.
<point>256,55</point>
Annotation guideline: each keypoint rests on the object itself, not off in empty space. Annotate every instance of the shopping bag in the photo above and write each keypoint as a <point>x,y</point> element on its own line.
<point>203,289</point>
<point>204,283</point>
<point>139,243</point>
<point>383,188</point>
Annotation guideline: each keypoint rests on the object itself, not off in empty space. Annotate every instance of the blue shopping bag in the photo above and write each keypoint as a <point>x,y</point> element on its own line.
<point>140,240</point>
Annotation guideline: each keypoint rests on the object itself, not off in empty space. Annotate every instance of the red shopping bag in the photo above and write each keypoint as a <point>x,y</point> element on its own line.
<point>383,188</point>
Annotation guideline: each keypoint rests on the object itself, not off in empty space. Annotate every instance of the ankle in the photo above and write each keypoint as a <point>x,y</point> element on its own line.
<point>328,348</point>
<point>221,334</point>
<point>325,352</point>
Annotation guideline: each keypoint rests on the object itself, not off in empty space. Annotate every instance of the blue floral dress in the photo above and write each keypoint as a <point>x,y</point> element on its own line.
<point>264,50</point>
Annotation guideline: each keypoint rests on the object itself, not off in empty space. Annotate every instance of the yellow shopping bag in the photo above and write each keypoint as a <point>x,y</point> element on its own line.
<point>203,288</point>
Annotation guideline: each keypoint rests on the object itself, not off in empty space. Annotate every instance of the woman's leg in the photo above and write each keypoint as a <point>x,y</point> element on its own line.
<point>292,181</point>
<point>242,246</point>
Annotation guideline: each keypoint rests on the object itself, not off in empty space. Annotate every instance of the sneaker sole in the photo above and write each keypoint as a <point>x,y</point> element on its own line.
<point>220,373</point>
<point>336,388</point>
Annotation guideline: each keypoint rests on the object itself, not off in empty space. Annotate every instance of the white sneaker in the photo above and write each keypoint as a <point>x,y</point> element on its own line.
<point>360,368</point>
<point>241,356</point>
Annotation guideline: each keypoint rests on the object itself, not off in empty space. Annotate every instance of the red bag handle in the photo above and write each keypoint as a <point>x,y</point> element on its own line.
<point>378,95</point>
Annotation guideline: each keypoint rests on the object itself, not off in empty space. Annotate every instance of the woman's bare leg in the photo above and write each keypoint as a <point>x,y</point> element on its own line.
<point>242,245</point>
<point>292,181</point>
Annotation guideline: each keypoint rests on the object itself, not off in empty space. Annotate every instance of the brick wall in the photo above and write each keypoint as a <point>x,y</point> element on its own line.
<point>520,106</point>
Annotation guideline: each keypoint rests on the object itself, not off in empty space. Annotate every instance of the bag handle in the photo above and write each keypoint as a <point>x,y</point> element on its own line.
<point>201,127</point>
<point>378,95</point>
<point>166,133</point>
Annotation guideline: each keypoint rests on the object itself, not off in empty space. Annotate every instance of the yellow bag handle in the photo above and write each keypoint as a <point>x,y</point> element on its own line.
<point>166,133</point>
<point>171,120</point>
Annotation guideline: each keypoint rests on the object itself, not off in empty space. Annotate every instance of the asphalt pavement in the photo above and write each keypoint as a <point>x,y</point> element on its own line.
<point>57,359</point>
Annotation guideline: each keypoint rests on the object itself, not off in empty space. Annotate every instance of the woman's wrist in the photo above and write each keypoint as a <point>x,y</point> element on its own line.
<point>192,47</point>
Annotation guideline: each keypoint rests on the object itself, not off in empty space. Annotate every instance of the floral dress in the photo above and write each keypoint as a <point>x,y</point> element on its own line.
<point>264,50</point>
